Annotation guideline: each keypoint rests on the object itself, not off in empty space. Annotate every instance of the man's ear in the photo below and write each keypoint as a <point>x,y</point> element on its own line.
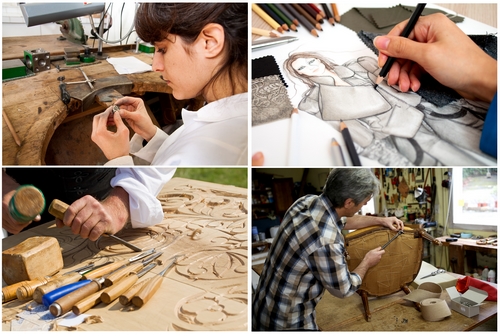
<point>212,39</point>
<point>349,203</point>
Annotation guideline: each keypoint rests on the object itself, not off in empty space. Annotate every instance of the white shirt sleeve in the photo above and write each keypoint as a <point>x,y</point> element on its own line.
<point>149,151</point>
<point>143,185</point>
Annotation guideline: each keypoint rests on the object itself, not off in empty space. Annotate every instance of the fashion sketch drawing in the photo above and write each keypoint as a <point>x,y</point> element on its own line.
<point>387,125</point>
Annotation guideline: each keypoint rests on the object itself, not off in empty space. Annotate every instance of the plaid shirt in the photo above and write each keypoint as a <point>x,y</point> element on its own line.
<point>305,258</point>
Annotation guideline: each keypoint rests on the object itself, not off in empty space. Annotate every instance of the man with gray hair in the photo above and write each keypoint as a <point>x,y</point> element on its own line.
<point>307,255</point>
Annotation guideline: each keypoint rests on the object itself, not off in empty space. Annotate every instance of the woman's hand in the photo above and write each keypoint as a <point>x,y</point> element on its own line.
<point>112,144</point>
<point>438,47</point>
<point>134,112</point>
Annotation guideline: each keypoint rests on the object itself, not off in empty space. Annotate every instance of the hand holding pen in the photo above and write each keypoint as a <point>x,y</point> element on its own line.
<point>438,47</point>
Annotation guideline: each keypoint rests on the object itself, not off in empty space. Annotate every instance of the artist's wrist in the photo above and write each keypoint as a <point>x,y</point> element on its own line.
<point>484,84</point>
<point>118,205</point>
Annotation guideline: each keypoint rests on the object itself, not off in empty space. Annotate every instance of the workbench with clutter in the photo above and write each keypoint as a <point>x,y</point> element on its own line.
<point>187,273</point>
<point>54,83</point>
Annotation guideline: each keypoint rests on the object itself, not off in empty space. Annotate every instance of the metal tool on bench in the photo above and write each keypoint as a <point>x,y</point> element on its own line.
<point>65,97</point>
<point>400,232</point>
<point>57,209</point>
<point>436,272</point>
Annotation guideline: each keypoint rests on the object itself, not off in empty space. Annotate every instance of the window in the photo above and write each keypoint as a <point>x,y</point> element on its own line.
<point>475,196</point>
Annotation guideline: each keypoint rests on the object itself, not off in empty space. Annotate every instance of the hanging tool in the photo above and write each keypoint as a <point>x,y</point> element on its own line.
<point>116,265</point>
<point>117,289</point>
<point>150,287</point>
<point>400,232</point>
<point>436,272</point>
<point>57,209</point>
<point>63,280</point>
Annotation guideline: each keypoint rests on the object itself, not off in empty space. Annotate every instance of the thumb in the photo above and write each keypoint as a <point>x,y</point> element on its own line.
<point>118,120</point>
<point>399,47</point>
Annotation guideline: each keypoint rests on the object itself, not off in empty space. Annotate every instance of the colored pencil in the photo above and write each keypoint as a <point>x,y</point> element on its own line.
<point>328,14</point>
<point>405,33</point>
<point>312,12</point>
<point>267,18</point>
<point>317,10</point>
<point>275,17</point>
<point>351,149</point>
<point>303,21</point>
<point>338,155</point>
<point>282,15</point>
<point>306,15</point>
<point>263,32</point>
<point>291,16</point>
<point>335,11</point>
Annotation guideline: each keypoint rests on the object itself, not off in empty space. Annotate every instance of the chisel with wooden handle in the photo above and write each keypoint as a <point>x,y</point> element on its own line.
<point>64,279</point>
<point>150,287</point>
<point>57,209</point>
<point>64,304</point>
<point>9,293</point>
<point>90,301</point>
<point>116,265</point>
<point>132,268</point>
<point>111,293</point>
<point>127,296</point>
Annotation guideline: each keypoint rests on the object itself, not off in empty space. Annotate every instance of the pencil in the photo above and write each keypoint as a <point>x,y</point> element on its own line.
<point>312,12</point>
<point>263,32</point>
<point>11,128</point>
<point>288,13</point>
<point>335,11</point>
<point>329,15</point>
<point>338,156</point>
<point>293,155</point>
<point>406,32</point>
<point>267,18</point>
<point>275,17</point>
<point>282,15</point>
<point>349,144</point>
<point>317,10</point>
<point>306,15</point>
<point>302,19</point>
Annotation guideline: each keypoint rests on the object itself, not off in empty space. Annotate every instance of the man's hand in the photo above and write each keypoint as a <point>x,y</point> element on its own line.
<point>371,259</point>
<point>392,223</point>
<point>90,218</point>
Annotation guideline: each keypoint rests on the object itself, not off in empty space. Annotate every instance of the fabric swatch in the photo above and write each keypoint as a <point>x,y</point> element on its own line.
<point>270,101</point>
<point>266,66</point>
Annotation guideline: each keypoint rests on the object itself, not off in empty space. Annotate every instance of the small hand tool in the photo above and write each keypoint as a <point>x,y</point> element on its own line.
<point>87,79</point>
<point>150,287</point>
<point>65,96</point>
<point>116,265</point>
<point>57,209</point>
<point>64,279</point>
<point>117,275</point>
<point>436,272</point>
<point>64,304</point>
<point>400,232</point>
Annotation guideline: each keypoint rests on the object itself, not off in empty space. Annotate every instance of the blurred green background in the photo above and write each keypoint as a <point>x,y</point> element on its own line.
<point>227,176</point>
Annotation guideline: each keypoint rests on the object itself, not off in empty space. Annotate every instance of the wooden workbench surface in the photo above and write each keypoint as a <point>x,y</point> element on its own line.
<point>34,107</point>
<point>206,290</point>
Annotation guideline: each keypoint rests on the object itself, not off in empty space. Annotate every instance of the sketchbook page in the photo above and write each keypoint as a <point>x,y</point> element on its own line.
<point>313,141</point>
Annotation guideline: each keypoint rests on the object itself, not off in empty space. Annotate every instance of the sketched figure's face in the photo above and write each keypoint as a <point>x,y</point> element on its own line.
<point>308,66</point>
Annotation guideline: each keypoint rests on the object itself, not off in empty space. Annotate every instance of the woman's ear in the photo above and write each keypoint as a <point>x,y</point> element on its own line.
<point>212,39</point>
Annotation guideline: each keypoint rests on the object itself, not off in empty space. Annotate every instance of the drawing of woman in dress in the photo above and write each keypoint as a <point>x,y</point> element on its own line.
<point>390,126</point>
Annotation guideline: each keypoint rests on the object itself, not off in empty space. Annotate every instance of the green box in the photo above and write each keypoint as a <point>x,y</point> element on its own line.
<point>13,69</point>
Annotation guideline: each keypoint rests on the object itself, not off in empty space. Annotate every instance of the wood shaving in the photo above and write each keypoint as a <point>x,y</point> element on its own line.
<point>93,319</point>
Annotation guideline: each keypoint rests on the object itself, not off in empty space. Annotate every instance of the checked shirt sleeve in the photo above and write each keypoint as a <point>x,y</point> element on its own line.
<point>329,267</point>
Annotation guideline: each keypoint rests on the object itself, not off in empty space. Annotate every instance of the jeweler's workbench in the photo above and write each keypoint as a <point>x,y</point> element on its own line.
<point>205,225</point>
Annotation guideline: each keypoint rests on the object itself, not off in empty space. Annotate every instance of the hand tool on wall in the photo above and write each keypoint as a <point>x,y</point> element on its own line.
<point>117,289</point>
<point>400,232</point>
<point>57,209</point>
<point>151,286</point>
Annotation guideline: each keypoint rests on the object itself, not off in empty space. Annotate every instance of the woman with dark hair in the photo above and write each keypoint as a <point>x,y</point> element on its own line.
<point>201,49</point>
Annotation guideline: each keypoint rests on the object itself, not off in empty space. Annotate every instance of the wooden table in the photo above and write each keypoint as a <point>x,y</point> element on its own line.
<point>458,251</point>
<point>390,313</point>
<point>35,109</point>
<point>206,289</point>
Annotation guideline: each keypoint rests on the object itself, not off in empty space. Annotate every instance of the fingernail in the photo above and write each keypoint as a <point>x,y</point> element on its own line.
<point>381,42</point>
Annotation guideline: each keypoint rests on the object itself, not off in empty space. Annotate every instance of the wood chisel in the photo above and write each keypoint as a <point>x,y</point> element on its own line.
<point>64,304</point>
<point>9,293</point>
<point>57,209</point>
<point>63,280</point>
<point>117,275</point>
<point>150,287</point>
<point>117,289</point>
<point>90,301</point>
<point>50,297</point>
